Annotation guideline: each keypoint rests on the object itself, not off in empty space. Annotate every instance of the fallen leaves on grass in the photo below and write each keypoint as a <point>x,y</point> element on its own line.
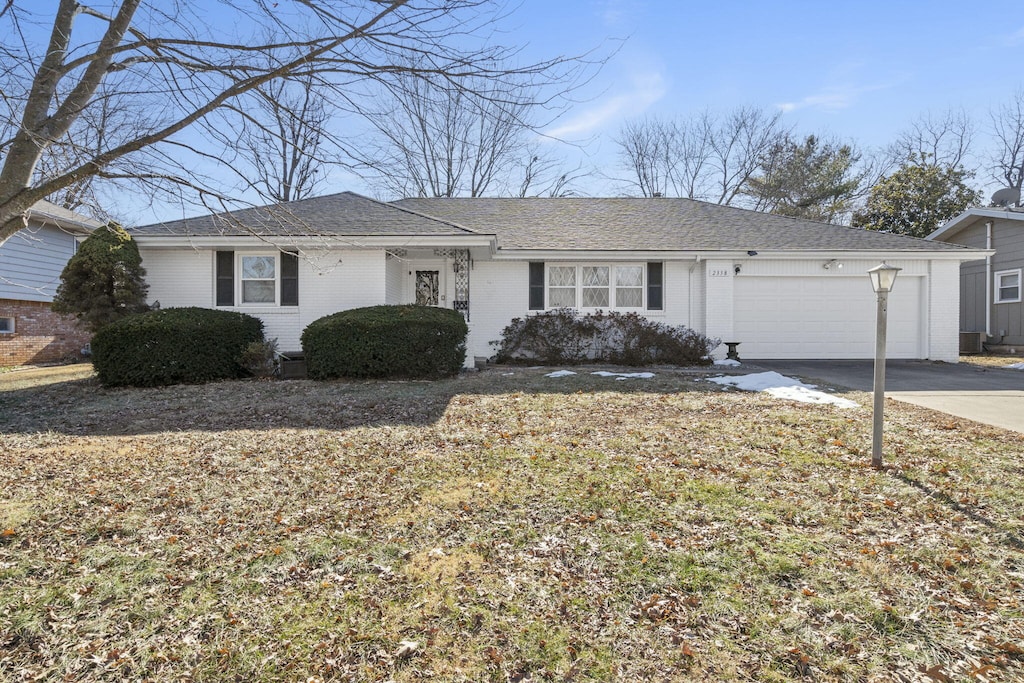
<point>493,529</point>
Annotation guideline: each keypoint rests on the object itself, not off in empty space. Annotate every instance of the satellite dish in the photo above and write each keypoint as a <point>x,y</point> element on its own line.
<point>1006,197</point>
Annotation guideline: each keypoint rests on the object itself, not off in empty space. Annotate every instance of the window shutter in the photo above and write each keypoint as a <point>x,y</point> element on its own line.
<point>289,279</point>
<point>225,278</point>
<point>655,282</point>
<point>536,286</point>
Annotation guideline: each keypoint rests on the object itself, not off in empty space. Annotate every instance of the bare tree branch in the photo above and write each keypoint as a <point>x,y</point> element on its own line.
<point>166,58</point>
<point>1007,123</point>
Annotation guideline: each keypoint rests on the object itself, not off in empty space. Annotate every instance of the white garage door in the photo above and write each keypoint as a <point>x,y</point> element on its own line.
<point>824,317</point>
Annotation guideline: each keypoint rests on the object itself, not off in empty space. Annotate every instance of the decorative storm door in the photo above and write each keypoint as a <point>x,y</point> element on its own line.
<point>427,288</point>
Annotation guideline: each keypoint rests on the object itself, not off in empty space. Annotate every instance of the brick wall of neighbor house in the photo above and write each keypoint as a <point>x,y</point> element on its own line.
<point>40,335</point>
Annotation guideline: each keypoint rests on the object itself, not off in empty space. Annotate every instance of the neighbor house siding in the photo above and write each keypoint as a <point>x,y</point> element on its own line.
<point>977,283</point>
<point>31,262</point>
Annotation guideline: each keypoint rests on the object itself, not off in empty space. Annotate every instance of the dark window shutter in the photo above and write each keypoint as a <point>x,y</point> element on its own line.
<point>225,278</point>
<point>536,286</point>
<point>289,279</point>
<point>655,282</point>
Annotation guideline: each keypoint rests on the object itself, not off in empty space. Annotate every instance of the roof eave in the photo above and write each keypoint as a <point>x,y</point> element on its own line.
<point>954,225</point>
<point>965,254</point>
<point>311,241</point>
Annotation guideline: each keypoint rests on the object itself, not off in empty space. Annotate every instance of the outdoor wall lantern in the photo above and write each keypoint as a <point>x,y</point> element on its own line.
<point>882,278</point>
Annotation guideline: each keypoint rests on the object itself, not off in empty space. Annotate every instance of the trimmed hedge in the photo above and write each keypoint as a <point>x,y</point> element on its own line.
<point>386,341</point>
<point>565,337</point>
<point>174,346</point>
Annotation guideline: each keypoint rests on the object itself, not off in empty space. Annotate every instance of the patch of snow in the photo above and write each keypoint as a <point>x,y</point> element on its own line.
<point>624,375</point>
<point>1016,366</point>
<point>728,361</point>
<point>780,386</point>
<point>560,373</point>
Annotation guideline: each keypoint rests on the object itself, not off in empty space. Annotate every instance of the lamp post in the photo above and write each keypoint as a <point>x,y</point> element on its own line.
<point>882,278</point>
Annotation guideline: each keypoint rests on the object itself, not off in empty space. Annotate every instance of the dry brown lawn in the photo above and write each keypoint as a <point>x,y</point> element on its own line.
<point>500,527</point>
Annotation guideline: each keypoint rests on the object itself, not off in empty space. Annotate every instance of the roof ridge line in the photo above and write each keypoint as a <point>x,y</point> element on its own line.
<point>427,215</point>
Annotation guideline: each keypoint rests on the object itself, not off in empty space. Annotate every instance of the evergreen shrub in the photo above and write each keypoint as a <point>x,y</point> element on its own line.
<point>174,346</point>
<point>565,337</point>
<point>386,341</point>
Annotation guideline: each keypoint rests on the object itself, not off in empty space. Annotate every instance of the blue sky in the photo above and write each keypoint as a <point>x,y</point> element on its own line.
<point>858,70</point>
<point>861,71</point>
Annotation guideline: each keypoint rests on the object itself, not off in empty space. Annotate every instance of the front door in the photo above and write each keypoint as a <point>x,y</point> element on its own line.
<point>428,288</point>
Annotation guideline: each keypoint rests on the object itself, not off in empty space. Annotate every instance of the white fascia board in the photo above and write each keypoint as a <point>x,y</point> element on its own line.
<point>970,215</point>
<point>333,242</point>
<point>76,227</point>
<point>964,254</point>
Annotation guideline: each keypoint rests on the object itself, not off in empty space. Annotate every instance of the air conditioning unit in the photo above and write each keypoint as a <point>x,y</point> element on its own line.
<point>971,342</point>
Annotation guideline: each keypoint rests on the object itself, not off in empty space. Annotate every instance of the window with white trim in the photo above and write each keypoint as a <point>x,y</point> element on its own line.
<point>6,325</point>
<point>598,285</point>
<point>561,286</point>
<point>258,279</point>
<point>1007,286</point>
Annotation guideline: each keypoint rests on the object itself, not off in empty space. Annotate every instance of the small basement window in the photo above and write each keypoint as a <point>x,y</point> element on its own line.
<point>1008,286</point>
<point>7,325</point>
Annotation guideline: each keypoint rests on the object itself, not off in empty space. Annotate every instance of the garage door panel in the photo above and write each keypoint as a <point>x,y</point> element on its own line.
<point>823,317</point>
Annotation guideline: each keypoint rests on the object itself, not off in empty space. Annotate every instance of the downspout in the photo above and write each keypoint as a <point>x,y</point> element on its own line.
<point>988,281</point>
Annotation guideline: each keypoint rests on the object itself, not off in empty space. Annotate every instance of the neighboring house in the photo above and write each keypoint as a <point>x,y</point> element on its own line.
<point>31,262</point>
<point>782,287</point>
<point>990,289</point>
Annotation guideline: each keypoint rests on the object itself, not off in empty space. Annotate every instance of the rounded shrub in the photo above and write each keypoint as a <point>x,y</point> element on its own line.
<point>386,341</point>
<point>174,346</point>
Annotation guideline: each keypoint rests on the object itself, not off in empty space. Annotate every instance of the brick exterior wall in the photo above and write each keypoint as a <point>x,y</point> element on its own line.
<point>40,335</point>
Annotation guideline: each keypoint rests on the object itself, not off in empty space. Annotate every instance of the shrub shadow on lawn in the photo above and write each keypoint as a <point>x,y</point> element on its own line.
<point>84,407</point>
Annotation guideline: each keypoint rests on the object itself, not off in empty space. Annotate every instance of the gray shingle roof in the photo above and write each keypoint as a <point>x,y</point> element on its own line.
<point>342,214</point>
<point>661,223</point>
<point>584,223</point>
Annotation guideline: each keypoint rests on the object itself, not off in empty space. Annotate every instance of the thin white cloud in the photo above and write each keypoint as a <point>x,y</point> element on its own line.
<point>645,89</point>
<point>832,98</point>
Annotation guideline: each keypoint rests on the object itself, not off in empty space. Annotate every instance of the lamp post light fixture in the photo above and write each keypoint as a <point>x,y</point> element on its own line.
<point>882,278</point>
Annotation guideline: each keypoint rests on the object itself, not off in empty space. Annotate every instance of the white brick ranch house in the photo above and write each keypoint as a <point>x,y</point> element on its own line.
<point>782,287</point>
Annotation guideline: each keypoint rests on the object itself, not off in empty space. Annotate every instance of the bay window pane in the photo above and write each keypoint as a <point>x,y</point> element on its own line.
<point>629,276</point>
<point>562,297</point>
<point>595,276</point>
<point>629,297</point>
<point>562,276</point>
<point>594,297</point>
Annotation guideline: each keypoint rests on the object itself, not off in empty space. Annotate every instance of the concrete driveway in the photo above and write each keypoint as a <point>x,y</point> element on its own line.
<point>992,396</point>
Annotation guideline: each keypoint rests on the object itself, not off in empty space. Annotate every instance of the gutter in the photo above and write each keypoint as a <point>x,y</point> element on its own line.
<point>988,279</point>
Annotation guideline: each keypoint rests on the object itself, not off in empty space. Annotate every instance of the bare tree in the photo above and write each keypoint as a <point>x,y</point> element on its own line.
<point>704,157</point>
<point>179,64</point>
<point>283,138</point>
<point>1008,132</point>
<point>942,139</point>
<point>473,138</point>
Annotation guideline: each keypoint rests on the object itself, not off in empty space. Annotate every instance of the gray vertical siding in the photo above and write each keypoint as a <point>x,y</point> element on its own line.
<point>1008,242</point>
<point>31,263</point>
